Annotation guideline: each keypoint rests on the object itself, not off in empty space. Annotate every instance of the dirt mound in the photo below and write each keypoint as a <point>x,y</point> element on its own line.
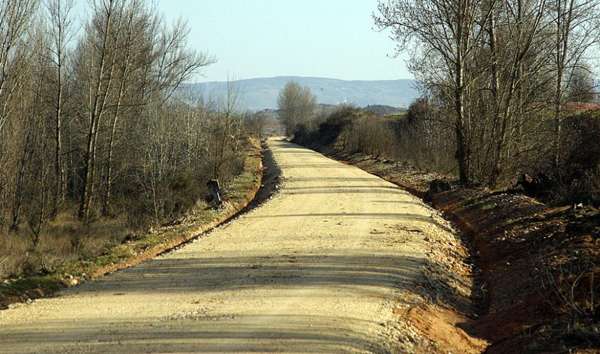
<point>444,327</point>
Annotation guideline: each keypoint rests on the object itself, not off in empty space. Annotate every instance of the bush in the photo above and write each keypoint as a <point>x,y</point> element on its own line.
<point>580,172</point>
<point>184,191</point>
<point>577,178</point>
<point>329,130</point>
<point>417,137</point>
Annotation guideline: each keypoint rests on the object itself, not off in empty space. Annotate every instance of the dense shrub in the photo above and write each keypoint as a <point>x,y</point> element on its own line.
<point>184,191</point>
<point>414,137</point>
<point>326,130</point>
<point>578,178</point>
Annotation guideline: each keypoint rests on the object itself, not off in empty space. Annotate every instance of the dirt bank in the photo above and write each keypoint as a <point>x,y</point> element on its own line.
<point>538,266</point>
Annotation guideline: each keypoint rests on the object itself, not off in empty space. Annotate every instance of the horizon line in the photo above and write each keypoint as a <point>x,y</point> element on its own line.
<point>295,76</point>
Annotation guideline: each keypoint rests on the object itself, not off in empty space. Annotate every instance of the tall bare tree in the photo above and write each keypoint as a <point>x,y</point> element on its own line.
<point>99,54</point>
<point>15,17</point>
<point>297,105</point>
<point>449,32</point>
<point>59,14</point>
<point>514,37</point>
<point>576,28</point>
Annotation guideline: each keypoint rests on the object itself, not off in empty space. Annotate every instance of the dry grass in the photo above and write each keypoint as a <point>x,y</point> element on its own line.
<point>69,250</point>
<point>13,259</point>
<point>63,239</point>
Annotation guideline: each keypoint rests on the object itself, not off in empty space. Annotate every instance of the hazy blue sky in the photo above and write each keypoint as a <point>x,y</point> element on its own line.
<point>259,38</point>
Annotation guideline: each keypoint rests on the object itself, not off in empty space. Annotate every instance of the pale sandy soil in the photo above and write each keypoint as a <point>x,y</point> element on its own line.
<point>327,265</point>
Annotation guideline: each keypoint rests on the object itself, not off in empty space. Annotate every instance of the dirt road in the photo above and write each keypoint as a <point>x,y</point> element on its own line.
<point>326,266</point>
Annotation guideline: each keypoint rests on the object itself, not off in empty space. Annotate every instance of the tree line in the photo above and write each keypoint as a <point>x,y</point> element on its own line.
<point>92,120</point>
<point>500,75</point>
<point>508,93</point>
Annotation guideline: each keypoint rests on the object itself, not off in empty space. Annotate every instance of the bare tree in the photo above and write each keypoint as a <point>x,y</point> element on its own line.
<point>173,62</point>
<point>136,18</point>
<point>226,129</point>
<point>576,29</point>
<point>60,28</point>
<point>448,32</point>
<point>583,87</point>
<point>15,16</point>
<point>297,105</point>
<point>514,36</point>
<point>98,53</point>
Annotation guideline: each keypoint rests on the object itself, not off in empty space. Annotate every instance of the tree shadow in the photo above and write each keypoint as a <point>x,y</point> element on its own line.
<point>367,188</point>
<point>357,274</point>
<point>407,217</point>
<point>316,165</point>
<point>396,202</point>
<point>348,191</point>
<point>198,275</point>
<point>241,334</point>
<point>342,179</point>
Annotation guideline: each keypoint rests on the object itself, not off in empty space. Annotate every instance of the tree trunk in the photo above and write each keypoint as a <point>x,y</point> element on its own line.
<point>115,121</point>
<point>59,193</point>
<point>87,176</point>
<point>18,195</point>
<point>108,176</point>
<point>495,85</point>
<point>96,110</point>
<point>461,143</point>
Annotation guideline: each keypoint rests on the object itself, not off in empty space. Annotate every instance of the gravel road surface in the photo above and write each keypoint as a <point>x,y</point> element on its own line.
<point>324,266</point>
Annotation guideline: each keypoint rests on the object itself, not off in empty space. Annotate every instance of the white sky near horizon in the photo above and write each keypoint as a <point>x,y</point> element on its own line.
<point>265,38</point>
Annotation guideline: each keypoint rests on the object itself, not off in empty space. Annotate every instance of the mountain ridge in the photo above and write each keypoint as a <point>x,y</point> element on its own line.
<point>261,93</point>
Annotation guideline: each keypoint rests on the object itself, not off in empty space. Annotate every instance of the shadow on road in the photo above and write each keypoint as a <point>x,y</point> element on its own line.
<point>358,275</point>
<point>241,334</point>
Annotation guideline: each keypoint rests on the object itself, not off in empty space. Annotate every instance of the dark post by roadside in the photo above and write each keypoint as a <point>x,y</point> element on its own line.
<point>214,193</point>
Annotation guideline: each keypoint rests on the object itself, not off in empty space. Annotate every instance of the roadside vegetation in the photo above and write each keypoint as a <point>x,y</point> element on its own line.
<point>99,146</point>
<point>532,238</point>
<point>505,140</point>
<point>508,90</point>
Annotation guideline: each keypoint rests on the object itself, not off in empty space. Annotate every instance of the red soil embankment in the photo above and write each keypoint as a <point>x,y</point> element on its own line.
<point>537,268</point>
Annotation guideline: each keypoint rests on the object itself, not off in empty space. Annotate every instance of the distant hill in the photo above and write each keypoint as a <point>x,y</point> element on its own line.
<point>382,110</point>
<point>261,93</point>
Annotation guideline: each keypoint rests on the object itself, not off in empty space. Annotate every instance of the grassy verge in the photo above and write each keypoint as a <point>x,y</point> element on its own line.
<point>135,249</point>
